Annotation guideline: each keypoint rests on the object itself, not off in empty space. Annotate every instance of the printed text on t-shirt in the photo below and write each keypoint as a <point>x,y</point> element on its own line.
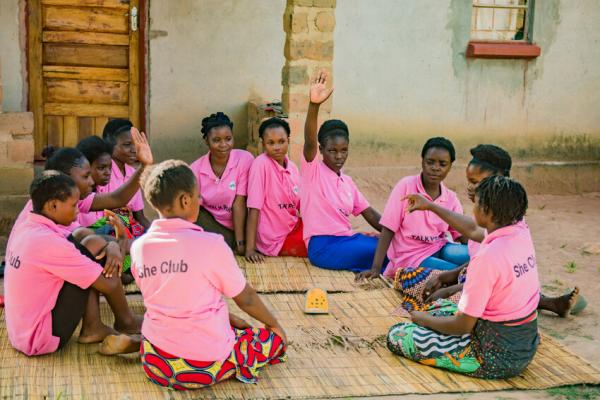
<point>521,269</point>
<point>165,267</point>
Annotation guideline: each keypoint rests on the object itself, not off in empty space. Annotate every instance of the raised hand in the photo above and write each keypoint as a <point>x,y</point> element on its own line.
<point>142,148</point>
<point>319,92</point>
<point>416,202</point>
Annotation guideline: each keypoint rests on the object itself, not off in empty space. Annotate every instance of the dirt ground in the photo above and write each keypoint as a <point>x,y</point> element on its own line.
<point>566,233</point>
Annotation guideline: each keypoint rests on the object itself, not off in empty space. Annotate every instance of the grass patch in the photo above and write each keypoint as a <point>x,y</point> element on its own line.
<point>570,267</point>
<point>576,392</point>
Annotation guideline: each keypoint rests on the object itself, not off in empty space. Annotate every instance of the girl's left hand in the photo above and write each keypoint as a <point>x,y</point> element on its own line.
<point>254,256</point>
<point>116,223</point>
<point>114,260</point>
<point>238,323</point>
<point>142,148</point>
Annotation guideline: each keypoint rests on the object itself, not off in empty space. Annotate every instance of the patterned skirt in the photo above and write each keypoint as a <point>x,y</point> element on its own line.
<point>495,350</point>
<point>254,348</point>
<point>411,283</point>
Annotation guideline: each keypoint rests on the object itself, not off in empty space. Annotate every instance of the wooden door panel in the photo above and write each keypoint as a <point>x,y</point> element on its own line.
<point>84,55</point>
<point>85,19</point>
<point>83,68</point>
<point>93,92</point>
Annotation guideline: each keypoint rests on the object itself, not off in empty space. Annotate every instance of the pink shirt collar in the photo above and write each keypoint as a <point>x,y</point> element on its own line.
<point>42,220</point>
<point>206,168</point>
<point>443,190</point>
<point>173,224</point>
<point>502,232</point>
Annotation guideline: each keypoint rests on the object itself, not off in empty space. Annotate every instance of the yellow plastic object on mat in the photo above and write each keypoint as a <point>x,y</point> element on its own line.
<point>316,302</point>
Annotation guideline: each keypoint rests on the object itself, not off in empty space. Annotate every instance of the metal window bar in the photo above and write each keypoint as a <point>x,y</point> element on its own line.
<point>527,24</point>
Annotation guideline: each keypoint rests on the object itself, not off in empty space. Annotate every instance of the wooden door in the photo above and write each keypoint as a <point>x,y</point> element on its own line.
<point>84,59</point>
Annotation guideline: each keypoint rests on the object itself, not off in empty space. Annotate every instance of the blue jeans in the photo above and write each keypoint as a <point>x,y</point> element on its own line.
<point>450,256</point>
<point>353,253</point>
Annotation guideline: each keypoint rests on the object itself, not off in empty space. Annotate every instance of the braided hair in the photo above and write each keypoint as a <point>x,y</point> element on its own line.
<point>64,159</point>
<point>492,159</point>
<point>215,121</point>
<point>439,142</point>
<point>50,185</point>
<point>93,147</point>
<point>273,123</point>
<point>504,197</point>
<point>332,128</point>
<point>163,183</point>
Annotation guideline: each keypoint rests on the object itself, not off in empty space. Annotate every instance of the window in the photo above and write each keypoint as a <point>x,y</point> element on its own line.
<point>501,20</point>
<point>502,29</point>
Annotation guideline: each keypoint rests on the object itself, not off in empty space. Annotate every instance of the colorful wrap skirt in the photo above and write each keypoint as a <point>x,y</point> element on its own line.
<point>254,348</point>
<point>494,350</point>
<point>410,282</point>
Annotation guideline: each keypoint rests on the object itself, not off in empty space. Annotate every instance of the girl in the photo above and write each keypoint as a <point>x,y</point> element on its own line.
<point>52,282</point>
<point>329,197</point>
<point>274,226</point>
<point>190,340</point>
<point>222,176</point>
<point>421,286</point>
<point>124,158</point>
<point>98,154</point>
<point>493,331</point>
<point>413,240</point>
<point>72,162</point>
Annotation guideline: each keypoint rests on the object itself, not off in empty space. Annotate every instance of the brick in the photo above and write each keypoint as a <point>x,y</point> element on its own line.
<point>324,3</point>
<point>325,21</point>
<point>308,49</point>
<point>16,124</point>
<point>294,102</point>
<point>15,180</point>
<point>21,150</point>
<point>301,3</point>
<point>299,22</point>
<point>294,75</point>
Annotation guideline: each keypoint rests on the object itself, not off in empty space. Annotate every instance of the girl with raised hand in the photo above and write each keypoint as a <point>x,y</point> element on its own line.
<point>493,331</point>
<point>328,196</point>
<point>222,176</point>
<point>412,240</point>
<point>274,226</point>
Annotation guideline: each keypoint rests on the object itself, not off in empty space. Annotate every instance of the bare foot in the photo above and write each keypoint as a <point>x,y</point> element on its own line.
<point>565,303</point>
<point>131,328</point>
<point>95,334</point>
<point>119,344</point>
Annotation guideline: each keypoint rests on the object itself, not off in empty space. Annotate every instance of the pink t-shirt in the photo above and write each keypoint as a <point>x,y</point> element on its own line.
<point>217,194</point>
<point>474,246</point>
<point>83,205</point>
<point>275,192</point>
<point>502,281</point>
<point>183,274</point>
<point>39,259</point>
<point>417,235</point>
<point>327,200</point>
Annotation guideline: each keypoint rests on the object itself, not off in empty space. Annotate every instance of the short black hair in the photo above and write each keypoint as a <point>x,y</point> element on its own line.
<point>111,137</point>
<point>333,128</point>
<point>273,122</point>
<point>64,160</point>
<point>50,185</point>
<point>442,143</point>
<point>215,121</point>
<point>165,181</point>
<point>504,197</point>
<point>113,126</point>
<point>492,159</point>
<point>93,147</point>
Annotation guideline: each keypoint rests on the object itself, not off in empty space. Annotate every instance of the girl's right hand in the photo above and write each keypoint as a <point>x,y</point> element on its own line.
<point>319,92</point>
<point>254,256</point>
<point>431,286</point>
<point>416,202</point>
<point>368,274</point>
<point>278,330</point>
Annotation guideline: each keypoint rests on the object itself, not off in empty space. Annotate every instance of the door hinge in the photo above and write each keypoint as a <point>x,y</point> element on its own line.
<point>134,19</point>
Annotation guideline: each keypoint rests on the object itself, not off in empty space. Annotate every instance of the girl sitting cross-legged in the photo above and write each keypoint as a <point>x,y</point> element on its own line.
<point>492,333</point>
<point>190,340</point>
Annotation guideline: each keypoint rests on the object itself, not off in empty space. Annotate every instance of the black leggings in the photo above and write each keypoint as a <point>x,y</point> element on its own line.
<point>70,304</point>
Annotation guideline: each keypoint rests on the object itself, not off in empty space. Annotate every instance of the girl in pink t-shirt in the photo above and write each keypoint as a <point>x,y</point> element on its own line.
<point>493,331</point>
<point>274,226</point>
<point>421,286</point>
<point>413,240</point>
<point>188,327</point>
<point>52,282</point>
<point>222,176</point>
<point>118,135</point>
<point>329,197</point>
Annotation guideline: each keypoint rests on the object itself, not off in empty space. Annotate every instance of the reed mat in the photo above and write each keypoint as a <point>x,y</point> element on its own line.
<point>293,274</point>
<point>340,354</point>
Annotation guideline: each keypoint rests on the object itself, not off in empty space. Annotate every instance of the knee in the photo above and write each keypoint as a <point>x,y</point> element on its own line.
<point>80,234</point>
<point>93,243</point>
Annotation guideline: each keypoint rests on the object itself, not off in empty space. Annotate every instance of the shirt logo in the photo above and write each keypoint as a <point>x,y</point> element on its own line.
<point>295,189</point>
<point>232,185</point>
